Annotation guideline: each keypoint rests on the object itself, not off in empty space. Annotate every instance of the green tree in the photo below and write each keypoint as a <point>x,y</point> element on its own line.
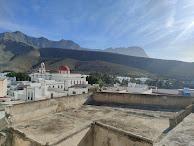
<point>19,76</point>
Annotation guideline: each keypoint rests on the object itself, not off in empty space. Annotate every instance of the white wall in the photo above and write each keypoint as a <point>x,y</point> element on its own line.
<point>75,91</point>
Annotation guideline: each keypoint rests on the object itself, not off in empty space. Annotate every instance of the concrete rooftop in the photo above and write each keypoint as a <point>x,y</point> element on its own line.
<point>55,127</point>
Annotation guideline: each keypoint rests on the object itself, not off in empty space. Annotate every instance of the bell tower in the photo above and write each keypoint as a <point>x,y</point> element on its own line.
<point>42,68</point>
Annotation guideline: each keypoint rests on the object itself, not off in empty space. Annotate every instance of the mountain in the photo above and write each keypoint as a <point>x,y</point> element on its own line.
<point>37,42</point>
<point>90,61</point>
<point>17,56</point>
<point>131,51</point>
<point>42,42</point>
<point>19,52</point>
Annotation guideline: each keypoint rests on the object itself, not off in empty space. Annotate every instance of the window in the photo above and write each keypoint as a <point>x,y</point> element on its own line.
<point>28,96</point>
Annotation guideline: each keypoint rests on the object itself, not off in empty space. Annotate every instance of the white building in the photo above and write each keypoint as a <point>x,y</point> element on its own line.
<point>3,87</point>
<point>32,91</point>
<point>138,88</point>
<point>49,85</point>
<point>120,78</point>
<point>64,78</point>
<point>142,79</point>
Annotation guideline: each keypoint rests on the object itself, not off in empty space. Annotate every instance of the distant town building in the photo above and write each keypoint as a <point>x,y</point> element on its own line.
<point>142,79</point>
<point>120,78</point>
<point>138,88</point>
<point>186,92</point>
<point>48,85</point>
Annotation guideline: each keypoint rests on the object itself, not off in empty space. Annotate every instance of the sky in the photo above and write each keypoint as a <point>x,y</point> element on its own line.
<point>164,28</point>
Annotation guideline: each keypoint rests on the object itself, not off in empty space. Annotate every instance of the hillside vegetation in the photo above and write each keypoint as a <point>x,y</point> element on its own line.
<point>22,53</point>
<point>167,68</point>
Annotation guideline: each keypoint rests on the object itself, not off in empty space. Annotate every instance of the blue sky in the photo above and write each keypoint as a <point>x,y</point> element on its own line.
<point>164,28</point>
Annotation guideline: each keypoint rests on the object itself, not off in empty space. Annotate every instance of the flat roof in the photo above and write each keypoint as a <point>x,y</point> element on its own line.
<point>54,127</point>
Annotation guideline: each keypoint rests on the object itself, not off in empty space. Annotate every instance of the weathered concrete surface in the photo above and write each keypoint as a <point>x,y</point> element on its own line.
<point>2,138</point>
<point>26,111</point>
<point>177,118</point>
<point>55,127</point>
<point>88,139</point>
<point>181,135</point>
<point>17,138</point>
<point>105,135</point>
<point>75,139</point>
<point>66,121</point>
<point>161,101</point>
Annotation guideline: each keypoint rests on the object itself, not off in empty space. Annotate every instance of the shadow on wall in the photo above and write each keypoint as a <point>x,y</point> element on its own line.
<point>105,135</point>
<point>141,101</point>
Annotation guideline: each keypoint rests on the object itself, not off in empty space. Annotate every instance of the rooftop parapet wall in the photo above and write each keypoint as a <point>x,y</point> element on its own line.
<point>28,110</point>
<point>179,117</point>
<point>105,135</point>
<point>162,101</point>
<point>17,138</point>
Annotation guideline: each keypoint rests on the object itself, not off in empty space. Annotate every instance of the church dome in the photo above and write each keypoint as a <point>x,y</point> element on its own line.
<point>64,69</point>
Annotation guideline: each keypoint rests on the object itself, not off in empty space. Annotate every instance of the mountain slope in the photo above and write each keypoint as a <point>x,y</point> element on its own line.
<point>168,68</point>
<point>65,44</point>
<point>37,42</point>
<point>131,51</point>
<point>17,56</point>
<point>93,67</point>
<point>19,52</point>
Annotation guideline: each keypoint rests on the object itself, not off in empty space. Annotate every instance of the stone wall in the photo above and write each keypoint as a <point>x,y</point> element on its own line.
<point>105,135</point>
<point>162,101</point>
<point>175,120</point>
<point>3,123</point>
<point>26,111</point>
<point>88,139</point>
<point>16,138</point>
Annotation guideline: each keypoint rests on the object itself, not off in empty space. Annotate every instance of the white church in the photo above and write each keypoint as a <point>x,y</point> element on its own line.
<point>50,85</point>
<point>63,79</point>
